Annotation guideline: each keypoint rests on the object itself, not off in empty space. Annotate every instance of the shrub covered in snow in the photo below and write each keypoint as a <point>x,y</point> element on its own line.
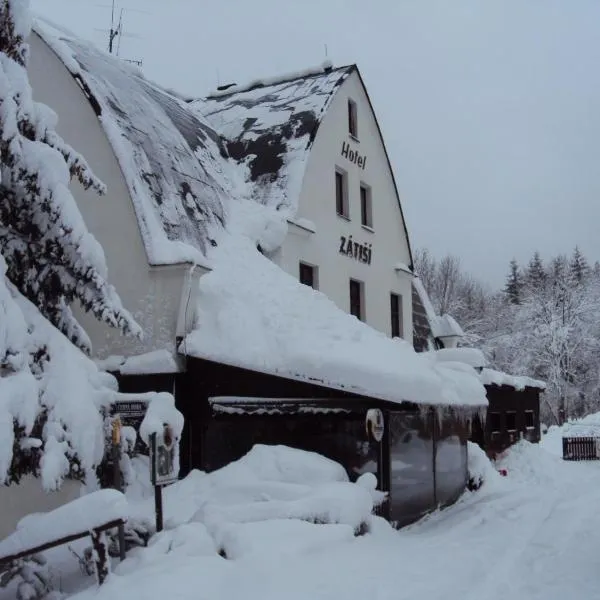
<point>481,470</point>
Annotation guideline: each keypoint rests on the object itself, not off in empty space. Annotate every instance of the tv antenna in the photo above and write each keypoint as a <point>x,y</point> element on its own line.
<point>116,32</point>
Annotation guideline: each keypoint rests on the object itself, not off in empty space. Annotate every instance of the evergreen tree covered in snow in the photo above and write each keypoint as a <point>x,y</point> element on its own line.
<point>51,257</point>
<point>549,328</point>
<point>579,266</point>
<point>535,275</point>
<point>514,283</point>
<point>52,397</point>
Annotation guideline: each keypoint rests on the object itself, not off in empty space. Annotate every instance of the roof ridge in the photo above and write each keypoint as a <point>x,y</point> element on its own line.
<point>325,67</point>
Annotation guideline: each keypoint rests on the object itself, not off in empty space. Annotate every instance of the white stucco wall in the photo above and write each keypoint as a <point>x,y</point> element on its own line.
<point>317,204</point>
<point>18,501</point>
<point>151,294</point>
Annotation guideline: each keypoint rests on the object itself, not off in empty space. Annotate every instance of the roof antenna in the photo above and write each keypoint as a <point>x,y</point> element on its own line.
<point>327,65</point>
<point>116,31</point>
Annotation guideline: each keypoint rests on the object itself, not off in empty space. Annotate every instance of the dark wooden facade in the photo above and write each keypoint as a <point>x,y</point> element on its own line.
<point>512,415</point>
<point>421,459</point>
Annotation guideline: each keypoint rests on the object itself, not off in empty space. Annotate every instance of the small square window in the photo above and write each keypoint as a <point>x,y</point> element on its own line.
<point>366,206</point>
<point>352,119</point>
<point>396,314</point>
<point>341,193</point>
<point>529,419</point>
<point>494,421</point>
<point>308,275</point>
<point>357,299</point>
<point>511,421</point>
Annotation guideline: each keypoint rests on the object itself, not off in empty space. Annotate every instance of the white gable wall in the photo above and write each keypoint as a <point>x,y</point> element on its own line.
<point>151,294</point>
<point>318,205</point>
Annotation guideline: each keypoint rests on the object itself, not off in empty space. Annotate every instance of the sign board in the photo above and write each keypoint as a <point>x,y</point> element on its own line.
<point>375,424</point>
<point>132,412</point>
<point>163,466</point>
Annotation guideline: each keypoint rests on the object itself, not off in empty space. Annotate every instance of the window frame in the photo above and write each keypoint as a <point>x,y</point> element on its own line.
<point>352,119</point>
<point>532,413</point>
<point>366,205</point>
<point>361,298</point>
<point>398,313</point>
<point>314,271</point>
<point>512,413</point>
<point>497,415</point>
<point>342,175</point>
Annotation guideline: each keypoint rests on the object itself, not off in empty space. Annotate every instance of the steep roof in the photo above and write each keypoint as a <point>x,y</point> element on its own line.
<point>270,125</point>
<point>174,162</point>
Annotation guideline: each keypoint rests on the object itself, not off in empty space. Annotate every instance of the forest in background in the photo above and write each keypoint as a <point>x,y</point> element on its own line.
<point>544,323</point>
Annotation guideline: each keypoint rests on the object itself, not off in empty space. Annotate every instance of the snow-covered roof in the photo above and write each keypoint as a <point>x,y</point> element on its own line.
<point>253,315</point>
<point>470,356</point>
<point>446,326</point>
<point>173,161</point>
<point>492,377</point>
<point>270,126</point>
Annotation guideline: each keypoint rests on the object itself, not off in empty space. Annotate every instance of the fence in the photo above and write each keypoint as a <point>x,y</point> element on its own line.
<point>581,448</point>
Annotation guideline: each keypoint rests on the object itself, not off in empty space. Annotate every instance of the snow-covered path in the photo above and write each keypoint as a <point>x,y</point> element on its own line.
<point>534,534</point>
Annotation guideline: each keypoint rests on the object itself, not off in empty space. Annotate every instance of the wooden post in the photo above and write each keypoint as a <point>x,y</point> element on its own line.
<point>158,507</point>
<point>101,563</point>
<point>117,479</point>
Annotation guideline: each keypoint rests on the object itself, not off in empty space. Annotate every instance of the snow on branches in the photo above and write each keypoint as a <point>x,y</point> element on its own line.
<point>51,257</point>
<point>52,397</point>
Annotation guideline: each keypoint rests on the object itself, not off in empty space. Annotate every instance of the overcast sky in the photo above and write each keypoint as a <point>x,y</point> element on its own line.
<point>490,109</point>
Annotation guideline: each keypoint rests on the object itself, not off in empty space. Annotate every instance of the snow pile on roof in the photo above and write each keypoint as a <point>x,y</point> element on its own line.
<point>269,81</point>
<point>270,129</point>
<point>251,314</point>
<point>84,514</point>
<point>446,326</point>
<point>441,326</point>
<point>156,361</point>
<point>173,161</point>
<point>469,356</point>
<point>492,377</point>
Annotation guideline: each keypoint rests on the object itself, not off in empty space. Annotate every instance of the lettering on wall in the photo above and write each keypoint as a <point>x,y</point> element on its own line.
<point>353,156</point>
<point>352,249</point>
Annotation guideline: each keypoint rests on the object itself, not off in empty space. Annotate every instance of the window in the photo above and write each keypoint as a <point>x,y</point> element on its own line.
<point>352,119</point>
<point>529,419</point>
<point>341,193</point>
<point>357,299</point>
<point>396,314</point>
<point>366,210</point>
<point>494,421</point>
<point>511,421</point>
<point>308,275</point>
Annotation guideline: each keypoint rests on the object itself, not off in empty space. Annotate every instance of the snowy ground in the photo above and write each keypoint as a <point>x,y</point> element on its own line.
<point>533,534</point>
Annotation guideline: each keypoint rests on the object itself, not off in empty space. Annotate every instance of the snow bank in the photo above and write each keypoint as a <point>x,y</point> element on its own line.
<point>83,514</point>
<point>282,537</point>
<point>588,426</point>
<point>269,483</point>
<point>492,377</point>
<point>251,314</point>
<point>530,464</point>
<point>481,470</point>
